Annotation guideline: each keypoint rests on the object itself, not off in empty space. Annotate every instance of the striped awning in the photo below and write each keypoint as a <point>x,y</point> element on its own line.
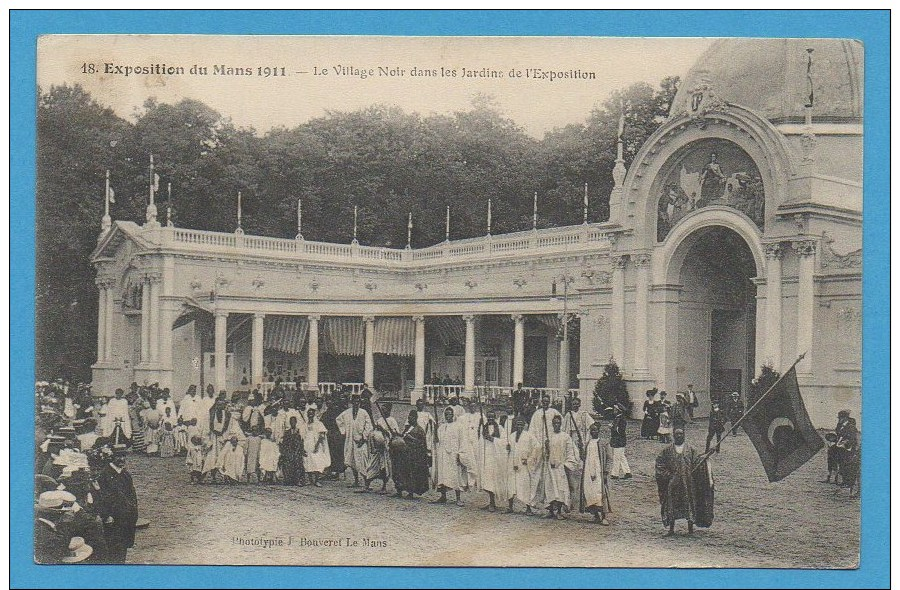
<point>285,333</point>
<point>449,329</point>
<point>344,336</point>
<point>395,336</point>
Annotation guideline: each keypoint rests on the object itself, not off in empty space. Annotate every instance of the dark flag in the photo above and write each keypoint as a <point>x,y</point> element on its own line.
<point>780,429</point>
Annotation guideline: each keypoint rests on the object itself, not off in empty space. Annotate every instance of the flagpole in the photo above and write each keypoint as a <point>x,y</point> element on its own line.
<point>169,207</point>
<point>734,426</point>
<point>447,230</point>
<point>299,219</point>
<point>106,205</point>
<point>534,214</point>
<point>585,203</point>
<point>489,218</point>
<point>409,232</point>
<point>152,182</point>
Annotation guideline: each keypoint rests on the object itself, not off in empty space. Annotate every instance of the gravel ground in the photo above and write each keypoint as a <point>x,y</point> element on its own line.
<point>791,523</point>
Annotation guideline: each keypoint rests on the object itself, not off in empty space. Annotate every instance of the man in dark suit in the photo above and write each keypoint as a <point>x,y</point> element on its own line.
<point>117,507</point>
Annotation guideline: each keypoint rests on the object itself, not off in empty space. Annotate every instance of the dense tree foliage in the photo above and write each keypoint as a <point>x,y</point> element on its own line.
<point>383,160</point>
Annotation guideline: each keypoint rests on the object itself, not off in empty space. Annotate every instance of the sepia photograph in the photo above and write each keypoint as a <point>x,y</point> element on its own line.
<point>562,302</point>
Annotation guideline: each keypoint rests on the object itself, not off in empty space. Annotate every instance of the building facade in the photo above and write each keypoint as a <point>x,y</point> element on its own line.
<point>734,240</point>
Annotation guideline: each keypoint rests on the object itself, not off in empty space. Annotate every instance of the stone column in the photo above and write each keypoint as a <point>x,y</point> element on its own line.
<point>312,363</point>
<point>641,314</point>
<point>155,280</point>
<point>220,350</point>
<point>165,320</point>
<point>617,313</point>
<point>101,321</point>
<point>256,349</point>
<point>774,254</point>
<point>110,313</point>
<point>806,251</point>
<point>369,376</point>
<point>419,374</point>
<point>518,349</point>
<point>145,322</point>
<point>469,381</point>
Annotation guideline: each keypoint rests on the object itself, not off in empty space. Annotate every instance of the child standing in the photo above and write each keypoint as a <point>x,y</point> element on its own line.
<point>269,454</point>
<point>253,446</point>
<point>194,460</point>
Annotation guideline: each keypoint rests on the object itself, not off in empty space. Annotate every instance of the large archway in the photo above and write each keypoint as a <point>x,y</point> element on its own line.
<point>716,312</point>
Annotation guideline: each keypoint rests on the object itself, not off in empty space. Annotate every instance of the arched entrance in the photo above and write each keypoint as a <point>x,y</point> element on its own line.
<point>715,316</point>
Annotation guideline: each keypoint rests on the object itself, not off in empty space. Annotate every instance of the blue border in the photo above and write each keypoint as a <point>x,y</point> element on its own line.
<point>872,27</point>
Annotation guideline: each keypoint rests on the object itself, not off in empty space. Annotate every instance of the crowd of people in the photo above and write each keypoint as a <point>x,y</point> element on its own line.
<point>86,507</point>
<point>534,456</point>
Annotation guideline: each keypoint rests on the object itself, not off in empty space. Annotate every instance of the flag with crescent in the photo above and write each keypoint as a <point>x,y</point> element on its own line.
<point>780,429</point>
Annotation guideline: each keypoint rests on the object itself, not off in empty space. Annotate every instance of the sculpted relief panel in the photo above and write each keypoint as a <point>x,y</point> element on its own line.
<point>710,172</point>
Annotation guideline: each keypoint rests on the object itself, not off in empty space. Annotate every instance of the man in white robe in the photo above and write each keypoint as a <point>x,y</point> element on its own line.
<point>189,413</point>
<point>493,467</point>
<point>577,424</point>
<point>165,401</point>
<point>232,461</point>
<point>524,450</point>
<point>450,454</point>
<point>471,422</point>
<point>553,486</point>
<point>117,415</point>
<point>355,424</point>
<point>541,427</point>
<point>595,483</point>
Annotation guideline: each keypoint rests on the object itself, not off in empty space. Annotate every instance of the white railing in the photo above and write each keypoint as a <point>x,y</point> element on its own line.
<point>493,393</point>
<point>325,387</point>
<point>579,237</point>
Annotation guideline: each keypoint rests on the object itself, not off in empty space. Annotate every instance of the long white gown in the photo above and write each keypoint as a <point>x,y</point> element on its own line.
<point>317,461</point>
<point>450,453</point>
<point>522,460</point>
<point>355,430</point>
<point>553,486</point>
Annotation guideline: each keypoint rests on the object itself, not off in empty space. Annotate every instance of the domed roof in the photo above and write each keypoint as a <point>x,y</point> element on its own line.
<point>768,76</point>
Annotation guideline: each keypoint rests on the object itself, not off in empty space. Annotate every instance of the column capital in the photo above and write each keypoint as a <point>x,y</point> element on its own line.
<point>641,260</point>
<point>418,318</point>
<point>105,282</point>
<point>314,317</point>
<point>259,315</point>
<point>468,317</point>
<point>619,261</point>
<point>368,319</point>
<point>805,248</point>
<point>153,277</point>
<point>517,317</point>
<point>774,251</point>
<point>220,313</point>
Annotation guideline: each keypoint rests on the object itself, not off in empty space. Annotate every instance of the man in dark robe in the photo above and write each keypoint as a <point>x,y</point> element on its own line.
<point>118,507</point>
<point>675,482</point>
<point>411,460</point>
<point>519,400</point>
<point>716,425</point>
<point>336,405</point>
<point>292,455</point>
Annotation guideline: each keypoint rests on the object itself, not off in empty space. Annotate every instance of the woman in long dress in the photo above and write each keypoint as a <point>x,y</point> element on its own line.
<point>315,441</point>
<point>167,434</point>
<point>292,454</point>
